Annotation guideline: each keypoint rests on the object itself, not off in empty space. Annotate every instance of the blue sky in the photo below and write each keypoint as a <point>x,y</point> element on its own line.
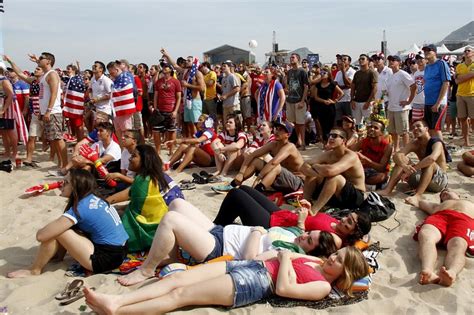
<point>136,29</point>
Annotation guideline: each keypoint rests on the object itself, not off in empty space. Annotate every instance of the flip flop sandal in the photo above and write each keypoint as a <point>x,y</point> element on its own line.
<point>198,179</point>
<point>69,289</point>
<point>411,192</point>
<point>186,181</point>
<point>189,186</point>
<point>78,294</point>
<point>31,164</point>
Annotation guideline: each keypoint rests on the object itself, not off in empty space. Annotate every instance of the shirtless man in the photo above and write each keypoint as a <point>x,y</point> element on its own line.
<point>452,223</point>
<point>193,106</point>
<point>335,177</point>
<point>282,172</point>
<point>429,173</point>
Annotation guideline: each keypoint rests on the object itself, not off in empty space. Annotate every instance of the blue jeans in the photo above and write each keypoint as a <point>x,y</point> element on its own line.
<point>251,281</point>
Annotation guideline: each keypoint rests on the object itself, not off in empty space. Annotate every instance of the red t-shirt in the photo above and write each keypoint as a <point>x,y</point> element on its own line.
<point>320,221</point>
<point>139,103</point>
<point>166,91</point>
<point>304,272</point>
<point>257,80</point>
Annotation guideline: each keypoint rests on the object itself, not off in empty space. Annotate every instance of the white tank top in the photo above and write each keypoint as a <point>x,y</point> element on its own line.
<point>45,95</point>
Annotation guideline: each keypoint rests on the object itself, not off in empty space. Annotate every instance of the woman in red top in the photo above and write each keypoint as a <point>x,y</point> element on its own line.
<point>255,209</point>
<point>238,283</point>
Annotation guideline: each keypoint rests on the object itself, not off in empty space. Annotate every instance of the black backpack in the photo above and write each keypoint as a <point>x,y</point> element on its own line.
<point>379,208</point>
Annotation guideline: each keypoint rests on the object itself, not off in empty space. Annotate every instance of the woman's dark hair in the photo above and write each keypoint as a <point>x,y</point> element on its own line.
<point>363,226</point>
<point>83,184</point>
<point>238,125</point>
<point>151,165</point>
<point>326,247</point>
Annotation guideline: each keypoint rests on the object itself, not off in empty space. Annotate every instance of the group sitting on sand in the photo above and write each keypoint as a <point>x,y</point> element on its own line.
<point>300,253</point>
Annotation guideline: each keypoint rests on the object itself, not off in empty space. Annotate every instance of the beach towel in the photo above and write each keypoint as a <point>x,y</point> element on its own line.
<point>188,92</point>
<point>143,214</point>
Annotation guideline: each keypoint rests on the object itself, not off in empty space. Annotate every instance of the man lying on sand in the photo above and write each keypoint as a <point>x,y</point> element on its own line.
<point>450,222</point>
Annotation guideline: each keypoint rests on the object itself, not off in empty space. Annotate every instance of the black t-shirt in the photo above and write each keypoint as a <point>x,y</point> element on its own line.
<point>297,79</point>
<point>326,92</point>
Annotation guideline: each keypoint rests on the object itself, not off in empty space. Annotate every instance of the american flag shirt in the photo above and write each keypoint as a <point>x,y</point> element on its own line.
<point>187,91</point>
<point>34,98</point>
<point>74,97</point>
<point>122,95</point>
<point>22,91</point>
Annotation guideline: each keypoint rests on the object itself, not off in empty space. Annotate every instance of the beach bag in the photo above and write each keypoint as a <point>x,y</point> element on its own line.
<point>379,208</point>
<point>156,118</point>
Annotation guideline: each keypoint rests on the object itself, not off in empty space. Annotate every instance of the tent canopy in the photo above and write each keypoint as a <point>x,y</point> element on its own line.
<point>414,49</point>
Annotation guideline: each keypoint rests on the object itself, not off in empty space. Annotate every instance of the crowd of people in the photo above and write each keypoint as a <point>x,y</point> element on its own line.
<point>248,123</point>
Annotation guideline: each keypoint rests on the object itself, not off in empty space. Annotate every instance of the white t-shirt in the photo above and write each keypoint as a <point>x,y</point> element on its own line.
<point>124,162</point>
<point>418,76</point>
<point>100,88</point>
<point>340,81</point>
<point>398,88</point>
<point>113,150</point>
<point>235,238</point>
<point>382,83</point>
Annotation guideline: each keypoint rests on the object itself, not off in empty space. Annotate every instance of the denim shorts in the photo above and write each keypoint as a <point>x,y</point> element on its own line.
<point>251,281</point>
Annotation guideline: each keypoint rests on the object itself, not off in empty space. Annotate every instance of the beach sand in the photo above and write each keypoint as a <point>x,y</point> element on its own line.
<point>395,288</point>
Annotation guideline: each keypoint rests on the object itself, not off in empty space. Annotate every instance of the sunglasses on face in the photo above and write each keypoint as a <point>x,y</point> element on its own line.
<point>335,135</point>
<point>41,58</point>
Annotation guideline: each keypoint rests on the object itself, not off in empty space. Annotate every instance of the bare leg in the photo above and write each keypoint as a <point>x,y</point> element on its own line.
<point>157,141</point>
<point>145,298</point>
<point>30,148</point>
<point>170,135</point>
<point>396,145</point>
<point>405,139</point>
<point>394,179</point>
<point>428,237</point>
<point>174,230</point>
<point>425,179</point>
<point>465,130</point>
<point>332,186</point>
<point>229,162</point>
<point>454,261</point>
<point>310,184</point>
<point>79,247</point>
<point>300,133</point>
<point>178,154</point>
<point>268,180</point>
<point>466,169</point>
<point>187,158</point>
<point>201,158</point>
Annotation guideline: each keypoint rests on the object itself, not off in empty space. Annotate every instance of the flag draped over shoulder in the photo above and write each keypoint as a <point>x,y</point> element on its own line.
<point>192,74</point>
<point>74,98</point>
<point>265,102</point>
<point>122,95</point>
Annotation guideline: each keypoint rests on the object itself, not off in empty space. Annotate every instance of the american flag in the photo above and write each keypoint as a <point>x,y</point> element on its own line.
<point>1,6</point>
<point>192,74</point>
<point>74,97</point>
<point>34,97</point>
<point>122,95</point>
<point>13,112</point>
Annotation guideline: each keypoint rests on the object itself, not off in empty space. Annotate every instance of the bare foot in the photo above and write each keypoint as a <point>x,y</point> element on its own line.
<point>101,303</point>
<point>384,192</point>
<point>446,277</point>
<point>413,200</point>
<point>428,277</point>
<point>134,277</point>
<point>22,273</point>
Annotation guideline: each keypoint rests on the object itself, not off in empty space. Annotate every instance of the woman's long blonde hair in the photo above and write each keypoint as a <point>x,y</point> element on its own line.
<point>355,267</point>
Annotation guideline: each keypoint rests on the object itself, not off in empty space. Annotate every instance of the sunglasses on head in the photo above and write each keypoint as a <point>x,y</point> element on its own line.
<point>467,50</point>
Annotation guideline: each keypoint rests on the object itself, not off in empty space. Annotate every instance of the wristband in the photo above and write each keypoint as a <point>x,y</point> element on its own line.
<point>97,163</point>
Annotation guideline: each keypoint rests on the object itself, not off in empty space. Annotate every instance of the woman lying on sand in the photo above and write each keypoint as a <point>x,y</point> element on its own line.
<point>238,283</point>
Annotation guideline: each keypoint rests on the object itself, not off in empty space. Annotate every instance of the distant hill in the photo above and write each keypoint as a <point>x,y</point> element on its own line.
<point>303,52</point>
<point>461,34</point>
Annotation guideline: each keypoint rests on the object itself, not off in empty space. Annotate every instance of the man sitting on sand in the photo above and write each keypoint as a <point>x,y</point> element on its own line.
<point>335,177</point>
<point>281,173</point>
<point>452,223</point>
<point>429,173</point>
<point>466,166</point>
<point>374,152</point>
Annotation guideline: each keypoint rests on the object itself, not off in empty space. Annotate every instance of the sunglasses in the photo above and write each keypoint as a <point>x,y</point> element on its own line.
<point>467,50</point>
<point>42,57</point>
<point>335,135</point>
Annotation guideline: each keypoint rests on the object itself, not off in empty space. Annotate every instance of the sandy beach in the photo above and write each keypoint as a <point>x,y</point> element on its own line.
<point>395,288</point>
